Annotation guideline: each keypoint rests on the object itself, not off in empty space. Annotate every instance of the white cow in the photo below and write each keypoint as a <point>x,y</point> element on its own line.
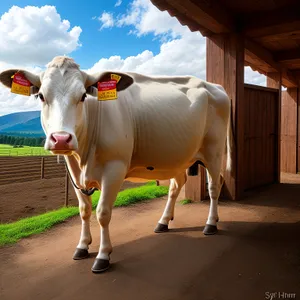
<point>157,128</point>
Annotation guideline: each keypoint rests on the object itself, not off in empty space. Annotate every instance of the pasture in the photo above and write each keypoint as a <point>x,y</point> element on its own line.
<point>8,150</point>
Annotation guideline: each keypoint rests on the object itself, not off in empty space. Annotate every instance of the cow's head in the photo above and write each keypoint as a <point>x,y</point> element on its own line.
<point>63,88</point>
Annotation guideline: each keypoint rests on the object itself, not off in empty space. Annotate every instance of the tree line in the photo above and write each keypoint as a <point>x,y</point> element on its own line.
<point>22,141</point>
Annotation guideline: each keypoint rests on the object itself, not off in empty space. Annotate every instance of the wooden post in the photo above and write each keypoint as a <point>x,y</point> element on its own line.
<point>289,112</point>
<point>274,80</point>
<point>298,132</point>
<point>43,168</point>
<point>225,65</point>
<point>195,187</point>
<point>66,189</point>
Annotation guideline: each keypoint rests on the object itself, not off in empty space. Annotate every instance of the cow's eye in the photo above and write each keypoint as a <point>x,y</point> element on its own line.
<point>83,97</point>
<point>41,97</point>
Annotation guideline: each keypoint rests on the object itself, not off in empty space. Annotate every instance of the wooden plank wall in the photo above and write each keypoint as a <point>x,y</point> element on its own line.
<point>289,131</point>
<point>261,138</point>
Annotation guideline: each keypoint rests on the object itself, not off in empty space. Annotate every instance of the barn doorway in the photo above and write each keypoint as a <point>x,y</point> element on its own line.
<point>260,136</point>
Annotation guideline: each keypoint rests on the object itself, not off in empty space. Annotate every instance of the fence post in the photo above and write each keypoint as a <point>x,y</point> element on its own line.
<point>43,168</point>
<point>66,189</point>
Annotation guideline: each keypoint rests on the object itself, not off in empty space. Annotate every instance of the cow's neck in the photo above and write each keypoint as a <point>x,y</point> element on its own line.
<point>86,135</point>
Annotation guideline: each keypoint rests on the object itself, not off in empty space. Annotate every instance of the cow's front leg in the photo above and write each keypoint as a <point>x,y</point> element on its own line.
<point>85,209</point>
<point>112,179</point>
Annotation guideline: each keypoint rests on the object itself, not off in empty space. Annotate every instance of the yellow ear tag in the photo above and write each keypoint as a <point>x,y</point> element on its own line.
<point>115,77</point>
<point>20,85</point>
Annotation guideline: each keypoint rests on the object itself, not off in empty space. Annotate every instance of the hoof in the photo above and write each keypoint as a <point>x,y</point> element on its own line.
<point>100,265</point>
<point>210,229</point>
<point>80,254</point>
<point>161,228</point>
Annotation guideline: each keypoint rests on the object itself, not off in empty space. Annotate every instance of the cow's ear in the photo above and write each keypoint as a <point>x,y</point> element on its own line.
<point>124,80</point>
<point>6,78</point>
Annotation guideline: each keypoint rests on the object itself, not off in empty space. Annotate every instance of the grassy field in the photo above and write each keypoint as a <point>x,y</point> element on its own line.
<point>8,150</point>
<point>13,232</point>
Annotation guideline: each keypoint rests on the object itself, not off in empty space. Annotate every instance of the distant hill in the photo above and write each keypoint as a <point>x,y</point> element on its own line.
<point>22,124</point>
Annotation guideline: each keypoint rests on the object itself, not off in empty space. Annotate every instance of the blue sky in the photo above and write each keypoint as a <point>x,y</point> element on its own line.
<point>123,35</point>
<point>96,44</point>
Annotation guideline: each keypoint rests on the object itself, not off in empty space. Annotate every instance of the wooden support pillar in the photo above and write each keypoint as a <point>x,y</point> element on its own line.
<point>195,187</point>
<point>298,132</point>
<point>289,113</point>
<point>274,80</point>
<point>225,66</point>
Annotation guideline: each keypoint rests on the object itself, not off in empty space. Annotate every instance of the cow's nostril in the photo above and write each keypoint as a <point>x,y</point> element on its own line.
<point>69,139</point>
<point>53,139</point>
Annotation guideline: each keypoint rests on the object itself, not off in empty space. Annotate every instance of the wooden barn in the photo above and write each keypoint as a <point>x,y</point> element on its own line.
<point>264,35</point>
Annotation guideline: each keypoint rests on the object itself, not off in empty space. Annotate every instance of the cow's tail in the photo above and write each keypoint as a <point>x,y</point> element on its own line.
<point>229,143</point>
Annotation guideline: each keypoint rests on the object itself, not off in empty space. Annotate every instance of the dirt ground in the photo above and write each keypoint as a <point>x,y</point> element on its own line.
<point>255,255</point>
<point>26,199</point>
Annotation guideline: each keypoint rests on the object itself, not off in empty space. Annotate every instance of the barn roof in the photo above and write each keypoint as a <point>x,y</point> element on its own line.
<point>271,29</point>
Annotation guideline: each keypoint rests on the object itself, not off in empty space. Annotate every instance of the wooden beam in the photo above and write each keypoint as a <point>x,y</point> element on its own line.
<point>288,79</point>
<point>211,15</point>
<point>261,53</point>
<point>263,59</point>
<point>283,56</point>
<point>186,21</point>
<point>260,24</point>
<point>275,37</point>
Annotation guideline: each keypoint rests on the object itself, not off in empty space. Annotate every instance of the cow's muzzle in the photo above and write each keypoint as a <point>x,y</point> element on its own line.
<point>61,142</point>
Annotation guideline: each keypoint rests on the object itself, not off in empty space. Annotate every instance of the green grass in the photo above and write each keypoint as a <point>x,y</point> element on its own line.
<point>12,232</point>
<point>8,150</point>
<point>185,201</point>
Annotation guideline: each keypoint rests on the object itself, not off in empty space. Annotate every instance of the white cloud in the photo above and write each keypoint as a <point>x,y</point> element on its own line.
<point>253,77</point>
<point>181,53</point>
<point>118,3</point>
<point>146,18</point>
<point>33,35</point>
<point>176,57</point>
<point>107,20</point>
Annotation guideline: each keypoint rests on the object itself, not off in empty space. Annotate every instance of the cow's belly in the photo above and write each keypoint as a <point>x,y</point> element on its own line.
<point>143,175</point>
<point>164,155</point>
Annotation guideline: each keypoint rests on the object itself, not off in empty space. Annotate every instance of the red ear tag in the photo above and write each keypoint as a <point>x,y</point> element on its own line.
<point>107,90</point>
<point>20,85</point>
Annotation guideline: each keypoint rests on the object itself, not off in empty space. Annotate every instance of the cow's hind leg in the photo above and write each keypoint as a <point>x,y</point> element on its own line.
<point>175,186</point>
<point>85,208</point>
<point>215,181</point>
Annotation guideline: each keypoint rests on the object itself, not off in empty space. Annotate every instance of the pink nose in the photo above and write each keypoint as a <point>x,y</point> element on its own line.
<point>61,141</point>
